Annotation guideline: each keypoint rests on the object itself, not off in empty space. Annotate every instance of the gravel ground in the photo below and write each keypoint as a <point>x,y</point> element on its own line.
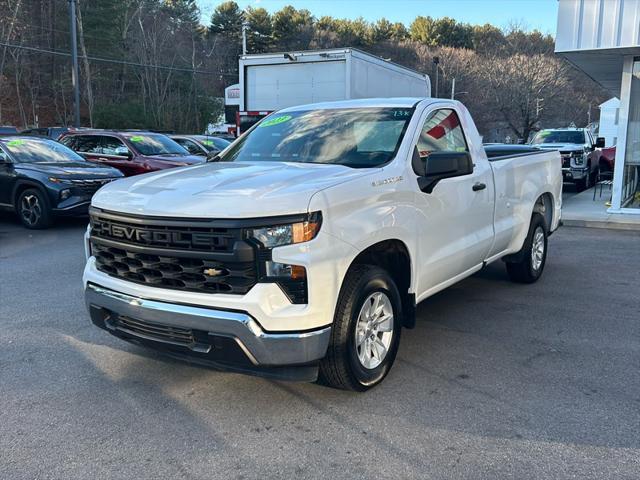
<point>497,381</point>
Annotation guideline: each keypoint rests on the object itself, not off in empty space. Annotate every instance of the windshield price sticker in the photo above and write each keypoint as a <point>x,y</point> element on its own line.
<point>207,142</point>
<point>15,143</point>
<point>276,121</point>
<point>137,138</point>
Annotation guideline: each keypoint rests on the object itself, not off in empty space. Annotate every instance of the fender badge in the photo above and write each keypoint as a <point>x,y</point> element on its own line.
<point>386,181</point>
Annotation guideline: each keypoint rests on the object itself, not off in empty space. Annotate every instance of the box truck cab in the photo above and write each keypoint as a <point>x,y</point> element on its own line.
<point>273,81</point>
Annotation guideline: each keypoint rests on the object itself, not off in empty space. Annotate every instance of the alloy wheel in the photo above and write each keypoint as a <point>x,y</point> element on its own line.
<point>537,249</point>
<point>374,330</point>
<point>30,209</point>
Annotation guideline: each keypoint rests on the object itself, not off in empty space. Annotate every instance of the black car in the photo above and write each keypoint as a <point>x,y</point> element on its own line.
<point>204,145</point>
<point>8,130</point>
<point>41,178</point>
<point>51,132</point>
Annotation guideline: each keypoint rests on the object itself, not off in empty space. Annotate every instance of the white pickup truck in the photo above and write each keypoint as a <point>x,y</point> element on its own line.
<point>304,251</point>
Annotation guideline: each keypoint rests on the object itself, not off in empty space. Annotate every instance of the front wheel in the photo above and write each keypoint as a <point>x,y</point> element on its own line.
<point>585,183</point>
<point>366,331</point>
<point>33,209</point>
<point>528,263</point>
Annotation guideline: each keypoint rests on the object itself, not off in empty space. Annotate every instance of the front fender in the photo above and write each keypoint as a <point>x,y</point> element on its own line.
<point>361,214</point>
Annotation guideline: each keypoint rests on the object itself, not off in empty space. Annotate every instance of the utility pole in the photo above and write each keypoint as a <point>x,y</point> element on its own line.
<point>436,61</point>
<point>75,77</point>
<point>539,107</point>
<point>453,88</point>
<point>245,27</point>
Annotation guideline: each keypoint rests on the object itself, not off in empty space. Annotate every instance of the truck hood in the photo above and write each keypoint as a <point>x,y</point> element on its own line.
<point>224,190</point>
<point>564,147</point>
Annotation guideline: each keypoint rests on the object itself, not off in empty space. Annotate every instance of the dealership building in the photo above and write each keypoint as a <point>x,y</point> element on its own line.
<point>602,38</point>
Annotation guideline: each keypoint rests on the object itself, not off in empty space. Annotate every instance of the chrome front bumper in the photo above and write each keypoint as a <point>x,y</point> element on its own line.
<point>264,351</point>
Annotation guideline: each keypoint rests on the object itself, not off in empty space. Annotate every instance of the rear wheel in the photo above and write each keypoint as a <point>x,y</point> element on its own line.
<point>529,262</point>
<point>33,209</point>
<point>366,331</point>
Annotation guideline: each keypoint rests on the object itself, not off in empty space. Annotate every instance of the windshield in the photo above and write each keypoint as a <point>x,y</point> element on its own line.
<point>558,136</point>
<point>364,137</point>
<point>213,143</point>
<point>155,144</point>
<point>40,151</point>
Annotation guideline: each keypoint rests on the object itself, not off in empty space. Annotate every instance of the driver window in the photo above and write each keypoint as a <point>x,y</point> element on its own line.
<point>113,146</point>
<point>442,132</point>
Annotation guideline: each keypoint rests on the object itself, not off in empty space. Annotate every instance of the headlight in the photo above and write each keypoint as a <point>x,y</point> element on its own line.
<point>292,279</point>
<point>58,180</point>
<point>578,158</point>
<point>287,234</point>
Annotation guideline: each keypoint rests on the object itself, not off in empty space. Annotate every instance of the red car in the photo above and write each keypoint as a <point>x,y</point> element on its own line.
<point>607,158</point>
<point>132,152</point>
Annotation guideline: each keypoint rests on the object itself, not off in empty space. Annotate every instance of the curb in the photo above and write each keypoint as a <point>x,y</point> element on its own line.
<point>601,224</point>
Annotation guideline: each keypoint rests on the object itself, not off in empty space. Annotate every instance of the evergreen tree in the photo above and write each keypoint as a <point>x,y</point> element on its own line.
<point>259,36</point>
<point>227,21</point>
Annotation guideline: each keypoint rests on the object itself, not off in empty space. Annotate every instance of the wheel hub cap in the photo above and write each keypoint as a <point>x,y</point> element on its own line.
<point>374,330</point>
<point>537,249</point>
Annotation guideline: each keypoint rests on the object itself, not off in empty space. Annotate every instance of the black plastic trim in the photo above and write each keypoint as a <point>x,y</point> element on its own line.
<point>200,222</point>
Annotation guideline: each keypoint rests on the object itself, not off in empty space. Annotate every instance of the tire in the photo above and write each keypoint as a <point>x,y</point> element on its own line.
<point>585,183</point>
<point>350,363</point>
<point>530,261</point>
<point>33,209</point>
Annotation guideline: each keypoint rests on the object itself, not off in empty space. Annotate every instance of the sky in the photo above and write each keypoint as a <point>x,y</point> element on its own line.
<point>533,14</point>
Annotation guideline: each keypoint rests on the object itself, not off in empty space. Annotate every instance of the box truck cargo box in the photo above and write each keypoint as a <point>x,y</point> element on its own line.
<point>273,81</point>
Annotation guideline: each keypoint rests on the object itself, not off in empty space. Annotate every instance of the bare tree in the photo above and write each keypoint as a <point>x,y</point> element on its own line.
<point>517,84</point>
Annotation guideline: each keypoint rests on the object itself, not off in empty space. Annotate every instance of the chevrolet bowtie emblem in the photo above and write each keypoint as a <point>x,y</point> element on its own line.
<point>212,272</point>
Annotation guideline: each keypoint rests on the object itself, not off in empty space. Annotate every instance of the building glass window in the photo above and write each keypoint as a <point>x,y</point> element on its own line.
<point>631,174</point>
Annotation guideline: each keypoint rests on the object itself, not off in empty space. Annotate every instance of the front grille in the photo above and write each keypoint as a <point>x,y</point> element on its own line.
<point>174,272</point>
<point>170,235</point>
<point>175,335</point>
<point>90,186</point>
<point>566,159</point>
<point>173,254</point>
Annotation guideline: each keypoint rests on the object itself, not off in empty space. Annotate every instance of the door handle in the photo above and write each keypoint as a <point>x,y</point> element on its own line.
<point>478,186</point>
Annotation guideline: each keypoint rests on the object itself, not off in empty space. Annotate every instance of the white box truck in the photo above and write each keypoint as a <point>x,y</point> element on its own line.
<point>272,81</point>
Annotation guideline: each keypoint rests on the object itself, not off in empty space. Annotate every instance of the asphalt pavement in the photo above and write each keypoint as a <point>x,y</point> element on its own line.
<point>496,381</point>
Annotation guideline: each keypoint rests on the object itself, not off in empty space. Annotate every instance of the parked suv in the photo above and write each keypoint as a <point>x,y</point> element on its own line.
<point>51,132</point>
<point>40,178</point>
<point>575,146</point>
<point>131,152</point>
<point>203,145</point>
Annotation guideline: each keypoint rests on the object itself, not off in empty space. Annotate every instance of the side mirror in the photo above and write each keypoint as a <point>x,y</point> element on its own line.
<point>440,165</point>
<point>600,142</point>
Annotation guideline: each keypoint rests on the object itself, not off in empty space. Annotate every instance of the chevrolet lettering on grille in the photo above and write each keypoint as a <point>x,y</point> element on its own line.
<point>143,235</point>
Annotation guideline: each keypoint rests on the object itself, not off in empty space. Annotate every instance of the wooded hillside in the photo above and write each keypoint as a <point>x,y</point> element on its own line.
<point>153,64</point>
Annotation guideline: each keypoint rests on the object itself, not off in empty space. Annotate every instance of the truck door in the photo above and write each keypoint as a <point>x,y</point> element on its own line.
<point>456,229</point>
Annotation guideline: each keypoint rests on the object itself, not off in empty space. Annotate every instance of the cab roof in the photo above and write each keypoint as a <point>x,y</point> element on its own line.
<point>399,102</point>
